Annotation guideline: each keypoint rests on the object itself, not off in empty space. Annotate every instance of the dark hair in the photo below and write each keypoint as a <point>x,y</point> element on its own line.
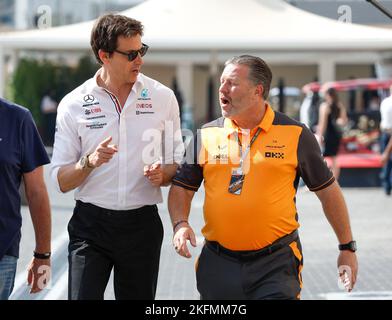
<point>259,71</point>
<point>108,28</point>
<point>335,110</point>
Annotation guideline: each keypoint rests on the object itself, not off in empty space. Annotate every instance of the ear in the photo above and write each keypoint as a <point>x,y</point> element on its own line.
<point>104,56</point>
<point>259,90</point>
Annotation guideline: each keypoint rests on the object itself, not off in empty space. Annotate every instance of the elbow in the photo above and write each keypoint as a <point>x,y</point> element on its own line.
<point>63,188</point>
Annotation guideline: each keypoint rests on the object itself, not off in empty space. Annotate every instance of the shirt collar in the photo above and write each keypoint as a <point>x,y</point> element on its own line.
<point>136,86</point>
<point>265,123</point>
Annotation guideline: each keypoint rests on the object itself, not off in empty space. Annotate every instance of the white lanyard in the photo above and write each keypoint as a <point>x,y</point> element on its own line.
<point>245,154</point>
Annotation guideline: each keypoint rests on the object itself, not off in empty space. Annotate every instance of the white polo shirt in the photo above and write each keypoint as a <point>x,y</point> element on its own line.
<point>146,130</point>
<point>386,114</point>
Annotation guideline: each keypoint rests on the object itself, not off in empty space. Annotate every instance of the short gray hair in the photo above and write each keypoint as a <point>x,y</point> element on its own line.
<point>259,71</point>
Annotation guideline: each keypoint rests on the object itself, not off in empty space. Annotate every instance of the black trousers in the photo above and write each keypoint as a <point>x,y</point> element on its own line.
<point>271,276</point>
<point>100,240</point>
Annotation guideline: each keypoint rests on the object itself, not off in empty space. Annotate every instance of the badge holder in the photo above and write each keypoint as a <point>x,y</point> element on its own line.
<point>236,181</point>
<point>237,174</point>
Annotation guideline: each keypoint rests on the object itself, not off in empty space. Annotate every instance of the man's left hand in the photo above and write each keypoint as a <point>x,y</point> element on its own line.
<point>154,173</point>
<point>38,274</point>
<point>348,269</point>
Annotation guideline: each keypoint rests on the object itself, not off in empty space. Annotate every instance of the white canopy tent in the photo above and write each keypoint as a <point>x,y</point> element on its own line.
<point>185,32</point>
<point>219,25</point>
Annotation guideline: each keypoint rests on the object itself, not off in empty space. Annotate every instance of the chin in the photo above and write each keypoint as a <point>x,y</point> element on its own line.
<point>227,115</point>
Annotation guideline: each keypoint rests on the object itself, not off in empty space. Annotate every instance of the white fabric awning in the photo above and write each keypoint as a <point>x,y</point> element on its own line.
<point>219,25</point>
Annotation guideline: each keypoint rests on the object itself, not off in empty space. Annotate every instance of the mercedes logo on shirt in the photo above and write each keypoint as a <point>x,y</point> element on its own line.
<point>88,98</point>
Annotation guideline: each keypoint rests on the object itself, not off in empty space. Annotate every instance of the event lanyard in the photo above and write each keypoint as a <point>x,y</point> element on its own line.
<point>245,154</point>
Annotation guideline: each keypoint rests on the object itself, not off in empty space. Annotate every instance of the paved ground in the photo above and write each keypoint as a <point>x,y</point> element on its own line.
<point>371,215</point>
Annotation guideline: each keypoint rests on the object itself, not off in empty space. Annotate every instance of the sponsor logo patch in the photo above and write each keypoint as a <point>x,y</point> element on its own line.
<point>144,112</point>
<point>143,105</point>
<point>92,111</point>
<point>96,125</point>
<point>88,98</point>
<point>274,155</point>
<point>144,95</point>
<point>96,117</point>
<point>221,156</point>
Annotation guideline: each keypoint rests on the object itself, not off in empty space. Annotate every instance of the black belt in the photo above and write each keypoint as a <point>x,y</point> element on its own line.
<point>253,254</point>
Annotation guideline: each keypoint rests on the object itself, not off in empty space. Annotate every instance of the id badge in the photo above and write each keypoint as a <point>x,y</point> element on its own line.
<point>236,181</point>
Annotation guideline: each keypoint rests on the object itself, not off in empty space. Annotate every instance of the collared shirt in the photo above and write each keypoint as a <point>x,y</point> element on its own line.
<point>145,130</point>
<point>386,114</point>
<point>265,210</point>
<point>21,151</point>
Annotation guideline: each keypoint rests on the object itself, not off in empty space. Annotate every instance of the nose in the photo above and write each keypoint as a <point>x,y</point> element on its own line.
<point>139,60</point>
<point>223,87</point>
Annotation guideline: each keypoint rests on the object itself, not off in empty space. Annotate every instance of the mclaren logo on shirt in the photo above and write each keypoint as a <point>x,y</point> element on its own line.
<point>274,155</point>
<point>222,147</point>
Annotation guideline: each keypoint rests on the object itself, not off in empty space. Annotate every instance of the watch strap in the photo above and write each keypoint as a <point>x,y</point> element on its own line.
<point>351,246</point>
<point>43,255</point>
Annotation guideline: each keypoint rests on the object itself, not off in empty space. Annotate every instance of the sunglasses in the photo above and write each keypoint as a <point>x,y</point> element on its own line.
<point>134,53</point>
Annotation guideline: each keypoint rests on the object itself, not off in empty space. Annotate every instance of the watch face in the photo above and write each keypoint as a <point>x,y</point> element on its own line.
<point>83,161</point>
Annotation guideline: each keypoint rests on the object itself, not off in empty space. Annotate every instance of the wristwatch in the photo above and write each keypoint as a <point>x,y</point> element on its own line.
<point>351,246</point>
<point>84,162</point>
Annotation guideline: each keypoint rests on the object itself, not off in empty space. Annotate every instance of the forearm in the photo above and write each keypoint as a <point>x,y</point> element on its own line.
<point>179,203</point>
<point>39,206</point>
<point>335,210</point>
<point>169,171</point>
<point>321,129</point>
<point>72,176</point>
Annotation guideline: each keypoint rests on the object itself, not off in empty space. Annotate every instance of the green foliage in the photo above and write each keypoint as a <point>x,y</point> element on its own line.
<point>33,79</point>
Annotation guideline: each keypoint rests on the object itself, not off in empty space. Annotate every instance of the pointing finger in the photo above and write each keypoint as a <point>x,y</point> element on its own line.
<point>106,142</point>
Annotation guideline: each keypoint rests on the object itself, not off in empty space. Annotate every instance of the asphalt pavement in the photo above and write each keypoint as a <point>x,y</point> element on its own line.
<point>371,218</point>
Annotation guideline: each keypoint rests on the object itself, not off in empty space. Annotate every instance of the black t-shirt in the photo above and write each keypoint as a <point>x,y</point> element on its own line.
<point>21,151</point>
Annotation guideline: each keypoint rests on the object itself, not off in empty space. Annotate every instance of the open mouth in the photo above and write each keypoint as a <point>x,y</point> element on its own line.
<point>224,101</point>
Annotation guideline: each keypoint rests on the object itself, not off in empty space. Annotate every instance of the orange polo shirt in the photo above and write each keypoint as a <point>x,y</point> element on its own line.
<point>265,210</point>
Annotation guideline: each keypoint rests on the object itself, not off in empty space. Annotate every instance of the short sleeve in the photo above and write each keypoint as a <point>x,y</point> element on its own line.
<point>33,151</point>
<point>311,165</point>
<point>189,175</point>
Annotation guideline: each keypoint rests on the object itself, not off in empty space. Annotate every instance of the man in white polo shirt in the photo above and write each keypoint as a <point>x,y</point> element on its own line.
<point>109,146</point>
<point>386,133</point>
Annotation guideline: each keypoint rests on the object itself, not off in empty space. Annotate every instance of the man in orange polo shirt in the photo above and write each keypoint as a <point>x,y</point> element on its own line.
<point>251,160</point>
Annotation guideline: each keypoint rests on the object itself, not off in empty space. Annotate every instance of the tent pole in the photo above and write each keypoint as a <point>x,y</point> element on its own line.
<point>184,75</point>
<point>381,8</point>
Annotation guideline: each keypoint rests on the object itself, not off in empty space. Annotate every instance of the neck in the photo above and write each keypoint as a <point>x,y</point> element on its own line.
<point>113,84</point>
<point>251,119</point>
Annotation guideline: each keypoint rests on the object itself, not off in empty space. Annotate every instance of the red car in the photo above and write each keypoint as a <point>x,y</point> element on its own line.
<point>359,156</point>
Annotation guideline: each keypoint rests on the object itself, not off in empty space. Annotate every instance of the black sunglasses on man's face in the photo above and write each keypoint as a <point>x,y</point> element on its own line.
<point>134,53</point>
